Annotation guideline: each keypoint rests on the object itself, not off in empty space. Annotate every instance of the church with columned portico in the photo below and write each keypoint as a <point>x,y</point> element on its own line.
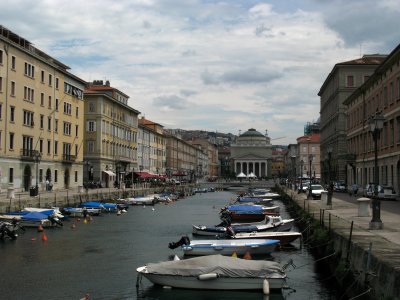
<point>252,153</point>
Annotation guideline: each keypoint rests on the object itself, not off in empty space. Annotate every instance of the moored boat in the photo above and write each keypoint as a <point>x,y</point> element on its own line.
<point>216,272</point>
<point>284,237</point>
<point>225,247</point>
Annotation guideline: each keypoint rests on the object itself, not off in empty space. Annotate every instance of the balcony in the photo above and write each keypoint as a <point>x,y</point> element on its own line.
<point>68,158</point>
<point>31,155</point>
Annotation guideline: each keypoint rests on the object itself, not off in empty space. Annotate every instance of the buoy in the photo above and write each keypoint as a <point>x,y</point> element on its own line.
<point>44,237</point>
<point>234,254</point>
<point>85,221</point>
<point>266,287</point>
<point>176,257</point>
<point>73,226</point>
<point>118,213</point>
<point>78,220</point>
<point>33,239</point>
<point>144,206</point>
<point>40,228</point>
<point>153,209</point>
<point>85,298</point>
<point>247,256</point>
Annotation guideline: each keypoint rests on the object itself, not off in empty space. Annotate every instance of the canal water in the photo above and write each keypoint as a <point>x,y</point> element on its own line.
<point>100,258</point>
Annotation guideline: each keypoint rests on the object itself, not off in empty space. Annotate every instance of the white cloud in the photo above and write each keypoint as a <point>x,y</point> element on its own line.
<point>214,65</point>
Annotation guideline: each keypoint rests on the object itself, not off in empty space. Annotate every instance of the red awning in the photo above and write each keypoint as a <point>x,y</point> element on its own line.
<point>144,175</point>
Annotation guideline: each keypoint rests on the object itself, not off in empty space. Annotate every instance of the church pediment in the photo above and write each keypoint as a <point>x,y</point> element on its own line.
<point>250,157</point>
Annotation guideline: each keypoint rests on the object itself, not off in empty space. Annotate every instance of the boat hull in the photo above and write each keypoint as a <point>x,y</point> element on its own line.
<point>228,247</point>
<point>219,283</point>
<point>283,237</point>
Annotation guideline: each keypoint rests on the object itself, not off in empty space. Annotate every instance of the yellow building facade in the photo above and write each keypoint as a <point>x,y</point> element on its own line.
<point>41,118</point>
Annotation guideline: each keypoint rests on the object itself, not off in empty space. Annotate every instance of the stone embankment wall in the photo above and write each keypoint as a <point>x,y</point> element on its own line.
<point>365,265</point>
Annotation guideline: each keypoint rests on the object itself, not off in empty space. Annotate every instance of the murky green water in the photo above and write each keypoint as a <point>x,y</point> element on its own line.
<point>100,257</point>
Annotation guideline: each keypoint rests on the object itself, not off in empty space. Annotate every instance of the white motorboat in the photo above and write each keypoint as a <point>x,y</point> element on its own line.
<point>216,272</point>
<point>79,211</point>
<point>271,223</point>
<point>145,200</point>
<point>284,237</point>
<point>225,247</point>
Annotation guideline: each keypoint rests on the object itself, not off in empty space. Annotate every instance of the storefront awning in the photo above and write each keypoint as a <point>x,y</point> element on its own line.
<point>144,175</point>
<point>110,173</point>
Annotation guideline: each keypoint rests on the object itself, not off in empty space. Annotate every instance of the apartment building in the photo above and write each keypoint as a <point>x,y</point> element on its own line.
<point>41,118</point>
<point>379,95</point>
<point>111,129</point>
<point>309,156</point>
<point>151,147</point>
<point>341,82</point>
<point>211,149</point>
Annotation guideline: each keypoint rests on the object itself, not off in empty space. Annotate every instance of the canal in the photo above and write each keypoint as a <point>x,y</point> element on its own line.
<point>100,257</point>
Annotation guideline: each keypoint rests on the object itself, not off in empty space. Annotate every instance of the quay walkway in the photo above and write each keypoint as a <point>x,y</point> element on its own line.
<point>373,255</point>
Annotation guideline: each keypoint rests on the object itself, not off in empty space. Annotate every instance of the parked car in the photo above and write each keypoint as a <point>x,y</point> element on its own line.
<point>339,186</point>
<point>387,192</point>
<point>303,187</point>
<point>316,191</point>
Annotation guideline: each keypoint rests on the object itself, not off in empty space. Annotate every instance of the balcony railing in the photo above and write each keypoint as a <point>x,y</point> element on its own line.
<point>68,158</point>
<point>29,154</point>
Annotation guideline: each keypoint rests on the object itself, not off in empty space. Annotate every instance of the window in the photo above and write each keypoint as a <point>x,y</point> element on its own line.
<point>11,175</point>
<point>49,102</point>
<point>76,176</point>
<point>1,57</point>
<point>77,112</point>
<point>57,83</point>
<point>1,84</point>
<point>91,126</point>
<point>55,147</point>
<point>76,130</point>
<point>91,107</point>
<point>56,104</point>
<point>41,145</point>
<point>41,99</point>
<point>29,70</point>
<point>50,80</point>
<point>42,77</point>
<point>12,114</point>
<point>13,62</point>
<point>56,125</point>
<point>55,175</point>
<point>11,145</point>
<point>29,94</point>
<point>41,121</point>
<point>49,123</point>
<point>1,110</point>
<point>28,118</point>
<point>12,88</point>
<point>385,97</point>
<point>76,150</point>
<point>40,175</point>
<point>350,81</point>
<point>91,146</point>
<point>48,147</point>
<point>67,128</point>
<point>67,108</point>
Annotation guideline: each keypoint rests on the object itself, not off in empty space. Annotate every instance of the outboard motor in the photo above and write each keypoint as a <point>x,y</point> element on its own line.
<point>4,230</point>
<point>183,241</point>
<point>54,220</point>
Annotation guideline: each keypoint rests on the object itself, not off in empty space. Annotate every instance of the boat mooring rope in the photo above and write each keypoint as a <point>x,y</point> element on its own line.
<point>298,267</point>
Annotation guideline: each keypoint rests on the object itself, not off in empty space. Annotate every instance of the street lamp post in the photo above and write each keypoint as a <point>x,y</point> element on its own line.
<point>310,158</point>
<point>86,183</point>
<point>330,185</point>
<point>376,125</point>
<point>301,175</point>
<point>37,156</point>
<point>293,158</point>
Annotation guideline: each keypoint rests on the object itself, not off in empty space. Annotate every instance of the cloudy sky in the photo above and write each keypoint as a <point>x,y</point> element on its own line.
<point>223,66</point>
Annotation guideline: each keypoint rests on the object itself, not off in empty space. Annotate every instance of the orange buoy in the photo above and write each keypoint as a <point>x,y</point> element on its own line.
<point>44,237</point>
<point>247,256</point>
<point>234,254</point>
<point>40,228</point>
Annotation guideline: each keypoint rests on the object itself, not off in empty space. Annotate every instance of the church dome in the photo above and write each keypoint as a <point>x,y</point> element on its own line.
<point>252,133</point>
